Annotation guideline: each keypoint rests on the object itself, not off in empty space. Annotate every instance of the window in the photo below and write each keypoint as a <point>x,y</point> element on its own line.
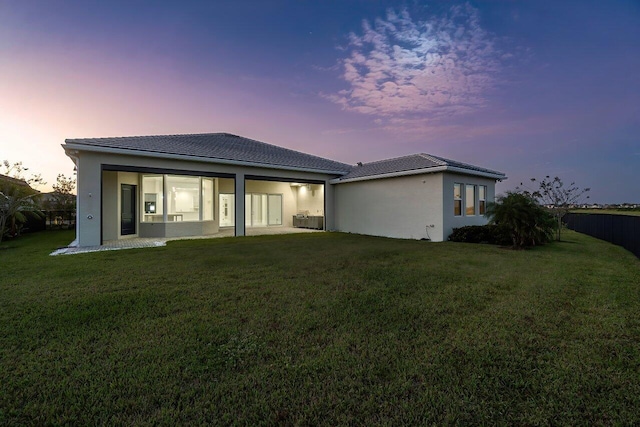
<point>470,200</point>
<point>482,199</point>
<point>183,198</point>
<point>457,199</point>
<point>152,190</point>
<point>207,199</point>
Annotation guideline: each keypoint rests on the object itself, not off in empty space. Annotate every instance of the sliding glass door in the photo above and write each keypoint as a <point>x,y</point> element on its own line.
<point>275,209</point>
<point>261,209</point>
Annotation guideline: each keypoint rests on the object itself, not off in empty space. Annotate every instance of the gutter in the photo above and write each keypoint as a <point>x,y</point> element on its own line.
<point>80,147</point>
<point>436,169</point>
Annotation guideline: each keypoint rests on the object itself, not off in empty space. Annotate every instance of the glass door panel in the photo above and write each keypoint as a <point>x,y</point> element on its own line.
<point>259,210</point>
<point>275,209</point>
<point>247,210</point>
<point>262,210</point>
<point>207,199</point>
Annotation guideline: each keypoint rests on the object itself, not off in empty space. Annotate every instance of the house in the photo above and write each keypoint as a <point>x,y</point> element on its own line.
<point>204,184</point>
<point>16,182</point>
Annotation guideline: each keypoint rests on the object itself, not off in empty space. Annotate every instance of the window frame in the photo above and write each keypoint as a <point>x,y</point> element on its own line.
<point>457,201</point>
<point>482,201</point>
<point>471,187</point>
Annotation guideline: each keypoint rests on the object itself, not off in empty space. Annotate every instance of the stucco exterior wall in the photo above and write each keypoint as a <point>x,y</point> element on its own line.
<point>413,207</point>
<point>450,220</point>
<point>89,214</point>
<point>110,201</point>
<point>408,207</point>
<point>226,185</point>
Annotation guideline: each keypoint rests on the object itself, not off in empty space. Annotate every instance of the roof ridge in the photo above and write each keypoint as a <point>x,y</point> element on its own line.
<point>161,135</point>
<point>451,162</point>
<point>287,149</point>
<point>434,159</point>
<point>393,158</point>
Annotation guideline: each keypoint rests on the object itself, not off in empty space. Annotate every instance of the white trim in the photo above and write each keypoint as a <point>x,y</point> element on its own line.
<point>420,172</point>
<point>71,146</point>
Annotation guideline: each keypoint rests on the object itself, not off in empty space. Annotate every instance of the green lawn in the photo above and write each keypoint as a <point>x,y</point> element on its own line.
<point>327,329</point>
<point>608,211</point>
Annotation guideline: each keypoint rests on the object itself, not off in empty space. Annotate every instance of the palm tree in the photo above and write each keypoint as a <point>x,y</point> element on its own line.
<point>15,203</point>
<point>529,224</point>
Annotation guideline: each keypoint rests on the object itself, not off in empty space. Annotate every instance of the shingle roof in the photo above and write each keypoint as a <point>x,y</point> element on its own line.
<point>225,146</point>
<point>221,146</point>
<point>414,162</point>
<point>14,181</point>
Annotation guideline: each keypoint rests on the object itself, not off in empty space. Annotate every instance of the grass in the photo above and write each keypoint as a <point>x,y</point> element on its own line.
<point>630,212</point>
<point>319,329</point>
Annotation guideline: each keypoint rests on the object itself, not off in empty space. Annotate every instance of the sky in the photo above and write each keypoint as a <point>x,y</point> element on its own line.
<point>528,88</point>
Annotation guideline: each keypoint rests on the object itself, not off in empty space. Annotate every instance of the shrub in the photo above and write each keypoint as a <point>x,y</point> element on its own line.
<point>492,234</point>
<point>528,223</point>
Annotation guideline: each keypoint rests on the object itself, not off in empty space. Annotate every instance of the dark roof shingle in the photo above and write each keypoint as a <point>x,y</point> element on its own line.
<point>224,146</point>
<point>414,162</point>
<point>221,146</point>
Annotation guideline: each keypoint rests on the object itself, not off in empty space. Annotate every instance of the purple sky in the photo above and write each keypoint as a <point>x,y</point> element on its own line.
<point>530,88</point>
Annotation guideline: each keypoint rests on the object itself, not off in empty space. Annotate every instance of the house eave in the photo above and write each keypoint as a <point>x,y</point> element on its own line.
<point>70,147</point>
<point>436,169</point>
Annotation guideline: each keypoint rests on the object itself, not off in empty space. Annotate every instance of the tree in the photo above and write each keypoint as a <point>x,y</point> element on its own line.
<point>17,171</point>
<point>62,199</point>
<point>16,201</point>
<point>17,197</point>
<point>528,223</point>
<point>556,197</point>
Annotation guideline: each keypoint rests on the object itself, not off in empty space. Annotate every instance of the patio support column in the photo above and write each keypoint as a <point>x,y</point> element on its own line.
<point>329,210</point>
<point>239,196</point>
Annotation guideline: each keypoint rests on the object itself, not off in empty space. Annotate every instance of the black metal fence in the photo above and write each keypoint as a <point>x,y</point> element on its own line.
<point>621,230</point>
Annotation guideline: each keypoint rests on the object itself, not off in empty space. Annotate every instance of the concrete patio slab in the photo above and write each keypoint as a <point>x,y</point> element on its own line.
<point>153,242</point>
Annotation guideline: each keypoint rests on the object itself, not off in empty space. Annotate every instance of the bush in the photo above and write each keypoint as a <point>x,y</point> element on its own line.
<point>528,223</point>
<point>492,234</point>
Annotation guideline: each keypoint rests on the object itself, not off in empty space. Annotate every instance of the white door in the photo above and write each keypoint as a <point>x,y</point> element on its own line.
<point>227,210</point>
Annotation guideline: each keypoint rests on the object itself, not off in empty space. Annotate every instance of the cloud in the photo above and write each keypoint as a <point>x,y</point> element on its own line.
<point>398,67</point>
